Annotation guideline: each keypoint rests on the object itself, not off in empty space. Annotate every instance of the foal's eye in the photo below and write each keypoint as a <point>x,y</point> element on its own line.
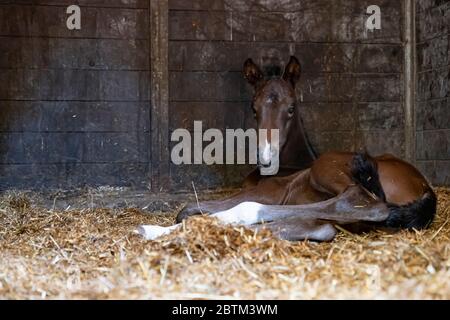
<point>291,111</point>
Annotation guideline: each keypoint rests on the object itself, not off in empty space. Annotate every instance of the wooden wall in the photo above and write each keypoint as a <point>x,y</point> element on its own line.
<point>74,105</point>
<point>433,94</point>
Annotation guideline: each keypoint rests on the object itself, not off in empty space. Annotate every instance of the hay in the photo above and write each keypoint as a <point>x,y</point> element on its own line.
<point>95,254</point>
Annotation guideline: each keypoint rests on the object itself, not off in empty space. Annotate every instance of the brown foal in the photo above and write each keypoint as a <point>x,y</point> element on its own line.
<point>309,196</point>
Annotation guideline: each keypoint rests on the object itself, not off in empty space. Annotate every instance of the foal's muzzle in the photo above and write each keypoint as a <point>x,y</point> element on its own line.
<point>268,160</point>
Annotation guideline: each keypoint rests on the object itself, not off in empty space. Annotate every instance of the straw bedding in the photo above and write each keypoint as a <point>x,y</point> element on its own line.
<point>95,254</point>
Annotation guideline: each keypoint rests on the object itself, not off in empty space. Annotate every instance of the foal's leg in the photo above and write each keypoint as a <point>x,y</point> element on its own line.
<point>353,205</point>
<point>291,229</point>
<point>301,221</point>
<point>208,207</point>
<point>151,232</point>
<point>298,228</point>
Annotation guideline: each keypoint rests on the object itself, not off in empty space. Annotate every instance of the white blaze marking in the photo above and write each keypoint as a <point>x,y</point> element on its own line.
<point>266,154</point>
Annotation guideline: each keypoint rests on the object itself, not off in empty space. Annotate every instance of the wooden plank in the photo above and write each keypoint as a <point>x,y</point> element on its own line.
<point>199,25</point>
<point>302,26</point>
<point>74,116</point>
<point>327,116</point>
<point>432,115</point>
<point>432,85</point>
<point>332,140</point>
<point>433,144</point>
<point>433,54</point>
<point>300,21</point>
<point>223,56</point>
<point>208,86</point>
<point>50,21</point>
<point>159,61</point>
<point>379,142</point>
<point>436,171</point>
<point>84,85</point>
<point>220,115</point>
<point>82,3</point>
<point>326,88</point>
<point>424,5</point>
<point>379,88</point>
<point>197,5</point>
<point>73,175</point>
<point>433,23</point>
<point>282,21</point>
<point>314,57</point>
<point>207,177</point>
<point>58,53</point>
<point>237,5</point>
<point>49,147</point>
<point>380,115</point>
<point>410,85</point>
<point>378,58</point>
<point>318,58</point>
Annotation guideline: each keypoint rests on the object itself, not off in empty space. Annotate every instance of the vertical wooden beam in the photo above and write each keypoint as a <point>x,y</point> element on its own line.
<point>159,62</point>
<point>410,79</point>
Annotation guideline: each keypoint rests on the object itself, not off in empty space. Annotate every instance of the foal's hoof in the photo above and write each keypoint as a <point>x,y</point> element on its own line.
<point>187,212</point>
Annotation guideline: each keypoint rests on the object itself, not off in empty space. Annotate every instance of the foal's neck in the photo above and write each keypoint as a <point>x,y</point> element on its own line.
<point>298,151</point>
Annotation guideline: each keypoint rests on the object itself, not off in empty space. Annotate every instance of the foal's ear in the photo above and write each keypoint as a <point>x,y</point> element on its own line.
<point>252,73</point>
<point>292,71</point>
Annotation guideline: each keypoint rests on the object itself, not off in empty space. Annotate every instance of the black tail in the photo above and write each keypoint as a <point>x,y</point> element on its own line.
<point>418,214</point>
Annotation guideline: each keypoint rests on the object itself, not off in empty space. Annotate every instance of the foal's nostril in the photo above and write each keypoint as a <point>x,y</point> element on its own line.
<point>264,165</point>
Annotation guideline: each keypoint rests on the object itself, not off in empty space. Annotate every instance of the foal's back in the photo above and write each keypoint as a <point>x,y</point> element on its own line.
<point>402,182</point>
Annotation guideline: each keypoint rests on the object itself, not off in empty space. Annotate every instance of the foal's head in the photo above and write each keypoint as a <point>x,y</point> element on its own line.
<point>275,107</point>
